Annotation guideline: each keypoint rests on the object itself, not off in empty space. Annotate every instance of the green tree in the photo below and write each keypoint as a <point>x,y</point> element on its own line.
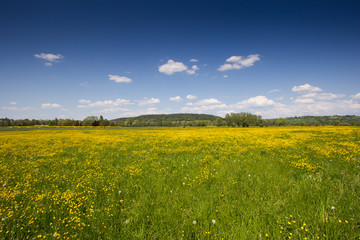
<point>218,122</point>
<point>90,121</point>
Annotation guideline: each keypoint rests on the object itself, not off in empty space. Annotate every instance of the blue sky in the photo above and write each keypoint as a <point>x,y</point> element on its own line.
<point>72,59</point>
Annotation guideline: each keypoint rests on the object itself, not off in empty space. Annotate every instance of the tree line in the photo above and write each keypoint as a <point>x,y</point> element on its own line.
<point>242,119</point>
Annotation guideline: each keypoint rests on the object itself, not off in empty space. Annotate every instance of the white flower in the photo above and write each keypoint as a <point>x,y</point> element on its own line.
<point>127,221</point>
<point>2,219</point>
<point>213,221</point>
<point>4,184</point>
<point>119,192</point>
<point>332,207</point>
<point>194,222</point>
<point>183,183</point>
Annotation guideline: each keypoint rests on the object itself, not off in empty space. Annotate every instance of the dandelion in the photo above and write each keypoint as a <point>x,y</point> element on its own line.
<point>194,222</point>
<point>127,221</point>
<point>56,235</point>
<point>213,221</point>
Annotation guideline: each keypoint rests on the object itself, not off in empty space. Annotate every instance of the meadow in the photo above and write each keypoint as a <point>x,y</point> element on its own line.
<point>180,183</point>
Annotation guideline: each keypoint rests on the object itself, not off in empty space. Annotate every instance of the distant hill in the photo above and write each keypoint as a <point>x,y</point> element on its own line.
<point>171,117</point>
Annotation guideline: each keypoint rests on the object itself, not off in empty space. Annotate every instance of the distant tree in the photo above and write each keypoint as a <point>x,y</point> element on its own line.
<point>91,121</point>
<point>228,120</point>
<point>218,122</point>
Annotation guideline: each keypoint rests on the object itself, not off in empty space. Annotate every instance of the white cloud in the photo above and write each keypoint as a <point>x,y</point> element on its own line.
<point>176,99</point>
<point>191,97</point>
<point>356,96</point>
<point>226,76</point>
<point>172,67</point>
<point>84,101</point>
<point>119,79</point>
<point>204,105</point>
<point>151,110</point>
<point>306,88</point>
<point>50,105</point>
<point>304,100</point>
<point>194,60</point>
<point>51,58</point>
<point>13,103</point>
<point>323,96</point>
<point>17,108</point>
<point>208,101</point>
<point>258,101</point>
<point>274,90</point>
<point>239,62</point>
<point>192,70</point>
<point>111,110</point>
<point>148,101</point>
<point>106,103</point>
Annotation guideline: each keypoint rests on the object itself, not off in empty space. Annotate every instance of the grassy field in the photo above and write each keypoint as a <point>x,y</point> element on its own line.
<point>180,183</point>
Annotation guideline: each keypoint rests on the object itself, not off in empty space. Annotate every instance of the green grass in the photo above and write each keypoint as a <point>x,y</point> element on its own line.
<point>234,183</point>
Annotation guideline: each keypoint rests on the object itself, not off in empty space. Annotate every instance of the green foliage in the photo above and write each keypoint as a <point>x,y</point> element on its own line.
<point>242,119</point>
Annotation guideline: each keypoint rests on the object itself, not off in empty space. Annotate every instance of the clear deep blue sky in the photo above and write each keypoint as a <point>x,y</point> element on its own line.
<point>72,59</point>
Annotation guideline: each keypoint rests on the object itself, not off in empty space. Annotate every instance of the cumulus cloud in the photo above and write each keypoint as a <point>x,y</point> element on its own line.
<point>111,110</point>
<point>50,105</point>
<point>192,70</point>
<point>208,101</point>
<point>239,62</point>
<point>310,94</point>
<point>204,105</point>
<point>258,101</point>
<point>356,96</point>
<point>176,99</point>
<point>106,103</point>
<point>147,101</point>
<point>119,79</point>
<point>191,97</point>
<point>322,96</point>
<point>306,88</point>
<point>51,58</point>
<point>172,67</point>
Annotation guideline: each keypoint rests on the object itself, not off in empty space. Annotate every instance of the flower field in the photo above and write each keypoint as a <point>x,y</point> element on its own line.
<point>180,183</point>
